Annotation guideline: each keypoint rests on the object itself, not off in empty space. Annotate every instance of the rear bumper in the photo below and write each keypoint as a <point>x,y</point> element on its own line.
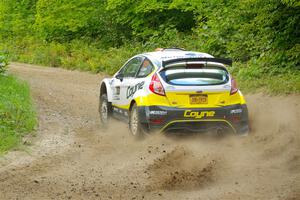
<point>233,118</point>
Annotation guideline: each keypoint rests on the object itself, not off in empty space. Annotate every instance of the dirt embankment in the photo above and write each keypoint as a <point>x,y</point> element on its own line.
<point>73,158</point>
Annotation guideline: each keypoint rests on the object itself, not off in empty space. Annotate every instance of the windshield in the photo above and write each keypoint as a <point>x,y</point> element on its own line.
<point>204,76</point>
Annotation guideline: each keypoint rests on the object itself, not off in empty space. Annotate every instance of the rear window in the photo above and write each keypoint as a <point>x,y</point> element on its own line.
<point>203,76</point>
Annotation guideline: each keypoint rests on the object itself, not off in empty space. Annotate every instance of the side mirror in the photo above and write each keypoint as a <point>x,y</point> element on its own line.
<point>120,77</point>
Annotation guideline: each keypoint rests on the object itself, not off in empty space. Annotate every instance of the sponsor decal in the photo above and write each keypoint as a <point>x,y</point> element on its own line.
<point>236,111</point>
<point>191,54</point>
<point>120,111</point>
<point>118,90</point>
<point>116,93</point>
<point>158,112</point>
<point>198,115</point>
<point>132,90</point>
<point>183,56</point>
<point>116,97</point>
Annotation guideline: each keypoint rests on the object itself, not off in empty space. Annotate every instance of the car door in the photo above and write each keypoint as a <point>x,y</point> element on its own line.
<point>125,81</point>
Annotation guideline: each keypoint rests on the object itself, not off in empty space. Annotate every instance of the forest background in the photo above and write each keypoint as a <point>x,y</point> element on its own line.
<point>261,36</point>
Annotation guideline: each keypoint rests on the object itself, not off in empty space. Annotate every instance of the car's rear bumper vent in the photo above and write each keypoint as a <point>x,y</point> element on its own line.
<point>199,126</point>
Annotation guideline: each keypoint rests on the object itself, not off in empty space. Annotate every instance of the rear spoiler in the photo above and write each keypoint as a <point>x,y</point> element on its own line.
<point>224,61</point>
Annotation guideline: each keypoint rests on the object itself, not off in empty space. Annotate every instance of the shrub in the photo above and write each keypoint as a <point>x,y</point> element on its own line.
<point>3,62</point>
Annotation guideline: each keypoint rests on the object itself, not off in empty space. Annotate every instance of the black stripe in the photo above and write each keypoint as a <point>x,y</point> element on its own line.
<point>217,60</point>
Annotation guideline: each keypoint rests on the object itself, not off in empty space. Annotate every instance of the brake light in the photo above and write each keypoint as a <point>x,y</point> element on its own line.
<point>156,86</point>
<point>156,121</point>
<point>234,86</point>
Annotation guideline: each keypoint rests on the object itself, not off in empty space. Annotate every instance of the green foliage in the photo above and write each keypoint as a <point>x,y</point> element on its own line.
<point>150,17</point>
<point>3,61</point>
<point>63,21</point>
<point>67,19</point>
<point>263,36</point>
<point>16,18</point>
<point>17,116</point>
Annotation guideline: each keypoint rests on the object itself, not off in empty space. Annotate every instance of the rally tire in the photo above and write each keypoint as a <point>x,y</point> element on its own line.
<point>135,125</point>
<point>105,110</point>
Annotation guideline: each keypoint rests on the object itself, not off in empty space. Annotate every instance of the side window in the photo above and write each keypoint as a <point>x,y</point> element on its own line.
<point>145,69</point>
<point>131,68</point>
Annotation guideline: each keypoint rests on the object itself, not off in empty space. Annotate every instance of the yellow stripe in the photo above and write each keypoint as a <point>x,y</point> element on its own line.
<point>125,107</point>
<point>178,100</point>
<point>209,120</point>
<point>181,99</point>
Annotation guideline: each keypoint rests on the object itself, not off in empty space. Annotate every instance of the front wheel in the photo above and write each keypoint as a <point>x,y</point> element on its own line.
<point>104,110</point>
<point>135,125</point>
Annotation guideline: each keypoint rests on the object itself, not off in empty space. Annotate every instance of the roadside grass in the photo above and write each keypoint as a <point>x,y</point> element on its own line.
<point>272,85</point>
<point>253,78</point>
<point>17,114</point>
<point>77,54</point>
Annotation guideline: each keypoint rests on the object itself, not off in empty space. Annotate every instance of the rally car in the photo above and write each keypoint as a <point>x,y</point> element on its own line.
<point>174,89</point>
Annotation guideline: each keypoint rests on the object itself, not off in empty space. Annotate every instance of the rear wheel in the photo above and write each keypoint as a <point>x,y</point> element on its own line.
<point>105,110</point>
<point>135,124</point>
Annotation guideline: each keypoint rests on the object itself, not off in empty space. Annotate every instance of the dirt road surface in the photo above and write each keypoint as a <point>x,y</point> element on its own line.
<point>71,157</point>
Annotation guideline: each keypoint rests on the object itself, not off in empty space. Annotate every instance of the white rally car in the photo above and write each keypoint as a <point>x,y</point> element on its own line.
<point>173,89</point>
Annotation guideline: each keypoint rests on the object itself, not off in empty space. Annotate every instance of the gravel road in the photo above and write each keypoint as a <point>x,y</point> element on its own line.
<point>72,157</point>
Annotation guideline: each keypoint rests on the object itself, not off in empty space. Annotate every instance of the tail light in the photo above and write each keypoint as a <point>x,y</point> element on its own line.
<point>156,86</point>
<point>156,121</point>
<point>234,86</point>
